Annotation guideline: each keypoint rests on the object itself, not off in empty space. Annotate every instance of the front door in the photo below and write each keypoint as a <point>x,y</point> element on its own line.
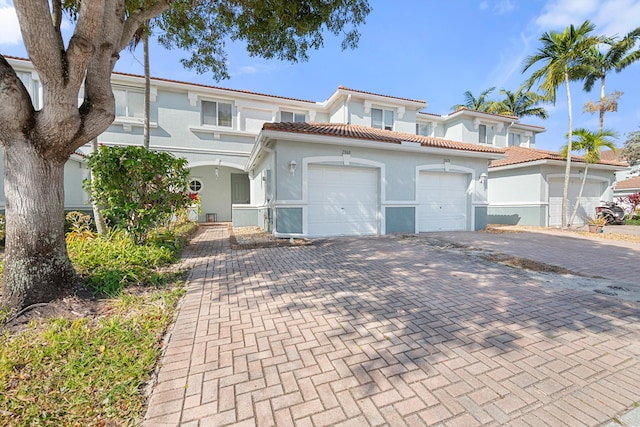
<point>240,193</point>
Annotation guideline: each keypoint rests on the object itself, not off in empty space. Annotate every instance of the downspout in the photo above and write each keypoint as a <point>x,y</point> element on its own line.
<point>269,220</point>
<point>346,110</point>
<point>508,133</point>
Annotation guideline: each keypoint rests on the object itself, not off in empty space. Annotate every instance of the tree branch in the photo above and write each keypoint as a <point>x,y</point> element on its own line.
<point>44,44</point>
<point>56,14</point>
<point>17,112</point>
<point>138,17</point>
<point>87,35</point>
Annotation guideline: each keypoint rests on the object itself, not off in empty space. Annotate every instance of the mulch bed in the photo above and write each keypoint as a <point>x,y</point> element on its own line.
<point>243,238</point>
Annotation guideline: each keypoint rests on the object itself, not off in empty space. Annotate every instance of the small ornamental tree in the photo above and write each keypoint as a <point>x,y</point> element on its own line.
<point>633,201</point>
<point>631,150</point>
<point>137,188</point>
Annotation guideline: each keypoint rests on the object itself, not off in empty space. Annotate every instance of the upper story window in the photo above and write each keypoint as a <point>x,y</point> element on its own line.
<point>423,129</point>
<point>482,134</point>
<point>381,119</point>
<point>217,113</point>
<point>129,103</point>
<point>515,139</point>
<point>288,116</point>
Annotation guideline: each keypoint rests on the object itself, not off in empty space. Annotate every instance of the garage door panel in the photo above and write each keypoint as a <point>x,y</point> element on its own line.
<point>443,200</point>
<point>591,197</point>
<point>342,200</point>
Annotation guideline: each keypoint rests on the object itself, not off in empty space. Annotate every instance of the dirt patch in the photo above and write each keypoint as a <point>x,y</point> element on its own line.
<point>81,305</point>
<point>255,237</point>
<point>609,234</point>
<point>526,264</point>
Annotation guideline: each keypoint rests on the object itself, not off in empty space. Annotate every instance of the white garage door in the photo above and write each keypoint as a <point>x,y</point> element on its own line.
<point>342,200</point>
<point>442,199</point>
<point>591,196</point>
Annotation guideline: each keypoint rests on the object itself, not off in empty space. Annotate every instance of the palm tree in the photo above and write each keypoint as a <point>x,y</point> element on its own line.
<point>520,103</point>
<point>631,38</point>
<point>592,144</point>
<point>600,64</point>
<point>481,103</point>
<point>143,35</point>
<point>98,218</point>
<point>562,55</point>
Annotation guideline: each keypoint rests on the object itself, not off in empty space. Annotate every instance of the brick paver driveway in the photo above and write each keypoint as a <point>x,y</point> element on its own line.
<point>389,331</point>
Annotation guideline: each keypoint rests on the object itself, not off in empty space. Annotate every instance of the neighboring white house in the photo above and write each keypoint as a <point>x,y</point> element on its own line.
<point>526,187</point>
<point>280,162</point>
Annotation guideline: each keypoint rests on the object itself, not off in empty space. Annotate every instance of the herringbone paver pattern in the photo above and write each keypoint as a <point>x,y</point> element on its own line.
<point>388,331</point>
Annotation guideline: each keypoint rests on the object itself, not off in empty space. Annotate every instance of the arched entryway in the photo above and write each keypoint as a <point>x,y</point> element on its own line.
<point>219,185</point>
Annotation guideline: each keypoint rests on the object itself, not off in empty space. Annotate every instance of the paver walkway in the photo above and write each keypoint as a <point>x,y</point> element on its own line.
<point>388,331</point>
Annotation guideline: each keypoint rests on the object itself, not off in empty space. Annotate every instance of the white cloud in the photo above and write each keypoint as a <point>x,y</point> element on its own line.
<point>10,33</point>
<point>257,68</point>
<point>510,64</point>
<point>617,17</point>
<point>611,17</point>
<point>499,8</point>
<point>503,6</point>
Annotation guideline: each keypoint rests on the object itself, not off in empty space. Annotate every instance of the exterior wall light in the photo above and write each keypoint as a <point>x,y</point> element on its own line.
<point>483,178</point>
<point>217,171</point>
<point>446,163</point>
<point>292,167</point>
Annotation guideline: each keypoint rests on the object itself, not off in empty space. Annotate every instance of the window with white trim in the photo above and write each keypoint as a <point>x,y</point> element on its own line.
<point>195,185</point>
<point>32,86</point>
<point>217,113</point>
<point>289,116</point>
<point>482,134</point>
<point>381,119</point>
<point>129,103</point>
<point>423,129</point>
<point>515,139</point>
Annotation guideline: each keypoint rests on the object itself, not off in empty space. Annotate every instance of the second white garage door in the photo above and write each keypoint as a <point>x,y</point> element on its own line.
<point>442,199</point>
<point>591,196</point>
<point>342,201</point>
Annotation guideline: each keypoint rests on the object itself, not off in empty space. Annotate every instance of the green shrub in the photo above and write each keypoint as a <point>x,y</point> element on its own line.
<point>109,263</point>
<point>138,188</point>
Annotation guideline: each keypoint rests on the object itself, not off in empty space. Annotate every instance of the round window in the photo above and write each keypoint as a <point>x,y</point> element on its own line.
<point>195,185</point>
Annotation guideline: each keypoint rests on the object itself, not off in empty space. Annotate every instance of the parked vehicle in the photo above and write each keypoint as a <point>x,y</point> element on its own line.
<point>612,213</point>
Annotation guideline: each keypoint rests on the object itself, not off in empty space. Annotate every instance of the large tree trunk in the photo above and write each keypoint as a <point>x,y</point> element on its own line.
<point>37,266</point>
<point>38,144</point>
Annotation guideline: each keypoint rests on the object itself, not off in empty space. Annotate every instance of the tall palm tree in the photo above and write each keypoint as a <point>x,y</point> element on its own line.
<point>481,103</point>
<point>601,63</point>
<point>592,144</point>
<point>143,35</point>
<point>520,103</point>
<point>562,57</point>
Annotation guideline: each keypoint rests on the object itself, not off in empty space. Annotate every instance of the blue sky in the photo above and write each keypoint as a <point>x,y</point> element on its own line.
<point>419,49</point>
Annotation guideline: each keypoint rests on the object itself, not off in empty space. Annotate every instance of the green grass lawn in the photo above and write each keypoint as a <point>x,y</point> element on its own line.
<point>91,371</point>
